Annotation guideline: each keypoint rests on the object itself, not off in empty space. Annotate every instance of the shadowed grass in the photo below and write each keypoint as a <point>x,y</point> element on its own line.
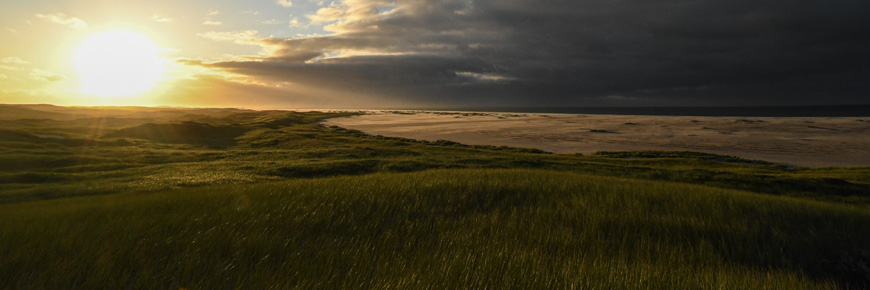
<point>442,229</point>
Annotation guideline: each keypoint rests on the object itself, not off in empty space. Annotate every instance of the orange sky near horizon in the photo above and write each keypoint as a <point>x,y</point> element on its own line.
<point>41,60</point>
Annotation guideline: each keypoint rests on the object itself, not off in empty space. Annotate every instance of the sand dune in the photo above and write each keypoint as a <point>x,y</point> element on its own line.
<point>810,142</point>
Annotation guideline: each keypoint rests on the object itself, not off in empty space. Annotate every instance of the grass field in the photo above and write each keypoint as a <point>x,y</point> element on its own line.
<point>225,199</point>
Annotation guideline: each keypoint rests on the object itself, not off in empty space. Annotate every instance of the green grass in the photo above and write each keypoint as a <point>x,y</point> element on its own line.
<point>150,198</point>
<point>457,228</point>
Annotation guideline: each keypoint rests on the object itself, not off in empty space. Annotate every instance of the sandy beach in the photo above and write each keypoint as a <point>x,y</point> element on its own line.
<point>810,141</point>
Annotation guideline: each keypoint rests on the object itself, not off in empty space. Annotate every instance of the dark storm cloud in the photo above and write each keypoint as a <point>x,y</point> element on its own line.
<point>584,52</point>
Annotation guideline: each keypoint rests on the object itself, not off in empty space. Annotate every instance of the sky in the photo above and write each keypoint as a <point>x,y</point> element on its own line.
<point>348,54</point>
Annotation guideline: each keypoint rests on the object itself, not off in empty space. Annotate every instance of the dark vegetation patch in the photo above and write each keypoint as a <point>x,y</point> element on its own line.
<point>329,168</point>
<point>268,138</point>
<point>186,133</point>
<point>27,162</point>
<point>13,112</point>
<point>464,114</point>
<point>832,188</point>
<point>825,128</point>
<point>13,136</point>
<point>42,138</point>
<point>402,112</point>
<point>677,154</point>
<point>32,177</point>
<point>105,167</point>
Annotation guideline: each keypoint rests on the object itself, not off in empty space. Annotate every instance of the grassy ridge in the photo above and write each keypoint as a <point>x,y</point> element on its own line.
<point>454,228</point>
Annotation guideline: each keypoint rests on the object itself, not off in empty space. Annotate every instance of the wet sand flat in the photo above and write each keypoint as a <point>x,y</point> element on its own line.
<point>800,141</point>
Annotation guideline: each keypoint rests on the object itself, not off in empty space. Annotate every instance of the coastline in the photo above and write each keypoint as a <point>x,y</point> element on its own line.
<point>798,141</point>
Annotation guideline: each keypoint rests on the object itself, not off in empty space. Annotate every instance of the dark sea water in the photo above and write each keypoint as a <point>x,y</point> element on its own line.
<point>777,111</point>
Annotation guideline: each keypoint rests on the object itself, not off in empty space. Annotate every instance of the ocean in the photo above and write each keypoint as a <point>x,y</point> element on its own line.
<point>767,111</point>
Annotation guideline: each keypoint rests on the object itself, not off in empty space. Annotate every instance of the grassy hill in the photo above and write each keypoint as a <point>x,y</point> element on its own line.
<point>206,199</point>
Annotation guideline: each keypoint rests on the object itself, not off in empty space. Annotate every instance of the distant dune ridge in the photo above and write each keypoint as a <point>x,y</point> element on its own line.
<point>800,141</point>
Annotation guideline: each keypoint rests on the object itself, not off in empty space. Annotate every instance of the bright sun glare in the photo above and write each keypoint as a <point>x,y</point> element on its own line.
<point>118,63</point>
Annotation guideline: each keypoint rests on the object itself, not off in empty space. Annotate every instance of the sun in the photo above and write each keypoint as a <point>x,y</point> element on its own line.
<point>118,63</point>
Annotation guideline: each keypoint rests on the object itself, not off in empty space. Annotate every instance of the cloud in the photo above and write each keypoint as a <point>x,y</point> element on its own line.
<point>2,76</point>
<point>12,30</point>
<point>324,15</point>
<point>10,68</point>
<point>43,75</point>
<point>62,19</point>
<point>224,92</point>
<point>272,22</point>
<point>577,52</point>
<point>208,18</point>
<point>246,37</point>
<point>13,60</point>
<point>484,77</point>
<point>284,3</point>
<point>160,18</point>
